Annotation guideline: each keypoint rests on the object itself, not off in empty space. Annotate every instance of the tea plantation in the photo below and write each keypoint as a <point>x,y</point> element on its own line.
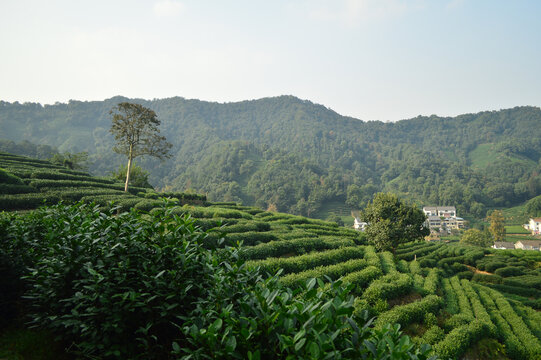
<point>189,279</point>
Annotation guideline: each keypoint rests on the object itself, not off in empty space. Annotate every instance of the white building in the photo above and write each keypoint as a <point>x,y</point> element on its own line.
<point>534,225</point>
<point>442,218</point>
<point>528,245</point>
<point>359,225</point>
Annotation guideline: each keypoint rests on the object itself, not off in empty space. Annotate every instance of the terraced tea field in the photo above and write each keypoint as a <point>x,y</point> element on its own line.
<point>450,296</point>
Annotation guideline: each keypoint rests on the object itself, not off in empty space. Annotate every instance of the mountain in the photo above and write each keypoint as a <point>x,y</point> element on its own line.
<point>299,157</point>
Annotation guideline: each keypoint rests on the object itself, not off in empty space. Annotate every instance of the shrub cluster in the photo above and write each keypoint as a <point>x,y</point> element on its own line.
<point>388,287</point>
<point>410,313</point>
<point>308,261</point>
<point>294,247</point>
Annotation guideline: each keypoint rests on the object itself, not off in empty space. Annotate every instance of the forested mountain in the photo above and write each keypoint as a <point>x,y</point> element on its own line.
<point>296,155</point>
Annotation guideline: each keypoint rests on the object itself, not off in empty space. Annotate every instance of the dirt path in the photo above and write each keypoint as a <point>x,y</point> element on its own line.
<point>477,271</point>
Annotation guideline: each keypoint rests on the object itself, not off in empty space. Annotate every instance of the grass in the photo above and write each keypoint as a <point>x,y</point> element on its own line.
<point>515,215</point>
<point>518,237</point>
<point>515,229</point>
<point>482,155</point>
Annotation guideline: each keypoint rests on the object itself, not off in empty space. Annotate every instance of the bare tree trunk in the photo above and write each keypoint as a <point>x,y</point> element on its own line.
<point>129,170</point>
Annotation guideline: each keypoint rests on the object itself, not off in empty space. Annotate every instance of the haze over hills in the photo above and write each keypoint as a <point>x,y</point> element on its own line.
<point>299,156</point>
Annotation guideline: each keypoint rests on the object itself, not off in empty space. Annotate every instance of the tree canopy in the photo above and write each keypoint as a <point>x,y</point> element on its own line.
<point>136,133</point>
<point>476,237</point>
<point>300,156</point>
<point>497,226</point>
<point>392,221</point>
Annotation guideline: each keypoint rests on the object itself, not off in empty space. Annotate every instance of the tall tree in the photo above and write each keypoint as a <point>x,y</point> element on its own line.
<point>497,226</point>
<point>392,221</point>
<point>136,132</point>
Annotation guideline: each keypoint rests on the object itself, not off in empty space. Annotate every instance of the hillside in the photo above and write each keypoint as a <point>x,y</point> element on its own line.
<point>298,156</point>
<point>462,300</point>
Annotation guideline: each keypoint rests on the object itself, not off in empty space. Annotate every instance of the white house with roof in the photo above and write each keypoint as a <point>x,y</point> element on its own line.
<point>528,245</point>
<point>442,218</point>
<point>534,225</point>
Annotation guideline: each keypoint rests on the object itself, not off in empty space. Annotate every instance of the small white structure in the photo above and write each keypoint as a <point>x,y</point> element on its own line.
<point>359,225</point>
<point>534,225</point>
<point>505,245</point>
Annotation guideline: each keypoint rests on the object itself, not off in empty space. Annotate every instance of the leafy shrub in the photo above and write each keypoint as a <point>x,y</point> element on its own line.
<point>388,287</point>
<point>486,278</point>
<point>410,313</point>
<point>510,271</point>
<point>308,261</point>
<point>332,271</point>
<point>132,286</point>
<point>294,247</point>
<point>459,340</point>
<point>8,178</point>
<point>524,281</point>
<point>319,324</point>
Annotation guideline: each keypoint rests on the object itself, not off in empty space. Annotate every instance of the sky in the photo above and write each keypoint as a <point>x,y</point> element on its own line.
<point>371,59</point>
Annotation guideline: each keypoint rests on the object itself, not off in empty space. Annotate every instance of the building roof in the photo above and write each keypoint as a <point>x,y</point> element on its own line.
<point>504,244</point>
<point>530,242</point>
<point>536,219</point>
<point>434,217</point>
<point>440,208</point>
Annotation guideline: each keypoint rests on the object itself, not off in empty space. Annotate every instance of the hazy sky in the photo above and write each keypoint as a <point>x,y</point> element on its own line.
<point>371,59</point>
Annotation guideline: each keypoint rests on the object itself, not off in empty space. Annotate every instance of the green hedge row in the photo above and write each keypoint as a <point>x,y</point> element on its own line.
<point>176,195</point>
<point>478,309</point>
<point>246,226</point>
<point>250,238</point>
<point>388,287</point>
<point>431,282</point>
<point>524,281</point>
<point>387,262</point>
<point>451,301</point>
<point>57,175</point>
<point>27,201</point>
<point>308,261</point>
<point>16,189</point>
<point>417,251</point>
<point>460,339</point>
<point>372,257</point>
<point>293,247</point>
<point>514,347</point>
<point>523,333</point>
<point>332,271</point>
<point>463,302</point>
<point>210,212</point>
<point>517,290</point>
<point>361,279</point>
<point>45,183</point>
<point>7,177</point>
<point>410,313</point>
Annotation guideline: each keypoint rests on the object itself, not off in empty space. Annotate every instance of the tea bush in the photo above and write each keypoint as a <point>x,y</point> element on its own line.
<point>126,285</point>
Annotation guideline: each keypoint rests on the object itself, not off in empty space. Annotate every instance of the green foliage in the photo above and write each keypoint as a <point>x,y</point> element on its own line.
<point>388,287</point>
<point>136,133</point>
<point>76,161</point>
<point>300,156</point>
<point>307,261</point>
<point>391,221</point>
<point>475,237</point>
<point>533,207</point>
<point>138,176</point>
<point>126,285</point>
<point>409,313</point>
<point>497,227</point>
<point>459,339</point>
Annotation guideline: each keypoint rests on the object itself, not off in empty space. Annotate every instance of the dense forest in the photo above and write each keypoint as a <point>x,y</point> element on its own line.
<point>295,156</point>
